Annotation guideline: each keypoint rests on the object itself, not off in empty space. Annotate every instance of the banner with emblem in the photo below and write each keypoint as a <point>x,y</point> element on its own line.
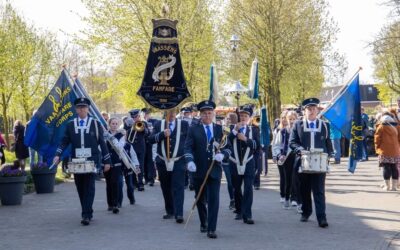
<point>46,129</point>
<point>164,84</point>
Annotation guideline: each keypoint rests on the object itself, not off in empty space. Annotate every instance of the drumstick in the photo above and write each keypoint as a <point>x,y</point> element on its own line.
<point>52,165</point>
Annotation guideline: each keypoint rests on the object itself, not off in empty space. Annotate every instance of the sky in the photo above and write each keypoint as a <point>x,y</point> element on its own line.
<point>358,20</point>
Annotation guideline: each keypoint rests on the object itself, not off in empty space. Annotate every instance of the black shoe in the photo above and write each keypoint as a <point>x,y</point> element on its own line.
<point>256,188</point>
<point>191,187</point>
<point>115,210</point>
<point>211,235</point>
<point>304,218</point>
<point>248,221</point>
<point>167,216</point>
<point>323,223</point>
<point>140,189</point>
<point>203,229</point>
<point>85,221</point>
<point>238,217</point>
<point>151,183</point>
<point>132,201</point>
<point>235,211</point>
<point>232,204</point>
<point>179,219</point>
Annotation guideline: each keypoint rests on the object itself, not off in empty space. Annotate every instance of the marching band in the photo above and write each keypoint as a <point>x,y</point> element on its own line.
<point>180,144</point>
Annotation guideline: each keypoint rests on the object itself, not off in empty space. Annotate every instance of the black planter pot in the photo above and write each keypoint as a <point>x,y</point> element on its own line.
<point>44,180</point>
<point>11,190</point>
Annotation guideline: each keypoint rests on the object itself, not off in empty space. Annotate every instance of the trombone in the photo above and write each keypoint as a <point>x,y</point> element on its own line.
<point>137,127</point>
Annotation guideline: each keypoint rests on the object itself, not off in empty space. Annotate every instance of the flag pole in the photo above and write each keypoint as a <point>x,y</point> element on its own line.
<point>339,93</point>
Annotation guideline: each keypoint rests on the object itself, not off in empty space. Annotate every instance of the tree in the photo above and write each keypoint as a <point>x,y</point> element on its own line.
<point>124,29</point>
<point>386,58</point>
<point>285,35</point>
<point>26,59</point>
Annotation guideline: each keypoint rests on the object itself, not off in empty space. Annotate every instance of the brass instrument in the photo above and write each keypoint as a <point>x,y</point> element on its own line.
<point>255,121</point>
<point>137,127</point>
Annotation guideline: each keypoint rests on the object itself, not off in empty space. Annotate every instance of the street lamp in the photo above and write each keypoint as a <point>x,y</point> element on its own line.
<point>237,88</point>
<point>234,42</point>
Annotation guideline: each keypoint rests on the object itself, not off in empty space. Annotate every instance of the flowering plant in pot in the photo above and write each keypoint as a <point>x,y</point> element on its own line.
<point>43,177</point>
<point>12,181</point>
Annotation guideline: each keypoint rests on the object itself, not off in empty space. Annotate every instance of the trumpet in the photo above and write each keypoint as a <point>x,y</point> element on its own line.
<point>137,127</point>
<point>255,121</point>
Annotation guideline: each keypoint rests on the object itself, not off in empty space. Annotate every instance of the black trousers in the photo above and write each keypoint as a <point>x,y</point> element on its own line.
<point>85,185</point>
<point>243,200</point>
<point>149,167</point>
<point>141,158</point>
<point>288,172</point>
<point>390,170</point>
<point>130,188</point>
<point>258,168</point>
<point>208,204</point>
<point>281,180</point>
<point>112,185</point>
<point>314,183</point>
<point>173,187</point>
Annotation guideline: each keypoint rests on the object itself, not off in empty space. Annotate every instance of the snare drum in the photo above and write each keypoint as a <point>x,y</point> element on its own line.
<point>314,162</point>
<point>81,166</point>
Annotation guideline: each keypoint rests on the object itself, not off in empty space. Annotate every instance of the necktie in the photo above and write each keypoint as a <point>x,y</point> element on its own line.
<point>312,125</point>
<point>170,126</point>
<point>81,122</point>
<point>208,133</point>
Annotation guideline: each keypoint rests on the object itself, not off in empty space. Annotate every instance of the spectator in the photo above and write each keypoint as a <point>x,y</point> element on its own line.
<point>3,144</point>
<point>336,136</point>
<point>387,146</point>
<point>33,152</point>
<point>21,151</point>
<point>365,127</point>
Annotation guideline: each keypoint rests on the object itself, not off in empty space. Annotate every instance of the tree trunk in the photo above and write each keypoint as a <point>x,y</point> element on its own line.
<point>5,120</point>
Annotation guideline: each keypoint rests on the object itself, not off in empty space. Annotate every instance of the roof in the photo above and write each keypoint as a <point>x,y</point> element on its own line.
<point>368,93</point>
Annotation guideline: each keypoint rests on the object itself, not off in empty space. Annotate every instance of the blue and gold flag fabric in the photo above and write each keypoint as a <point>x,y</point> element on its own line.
<point>345,115</point>
<point>47,127</point>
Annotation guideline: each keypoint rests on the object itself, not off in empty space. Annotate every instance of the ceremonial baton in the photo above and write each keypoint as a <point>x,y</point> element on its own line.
<point>223,140</point>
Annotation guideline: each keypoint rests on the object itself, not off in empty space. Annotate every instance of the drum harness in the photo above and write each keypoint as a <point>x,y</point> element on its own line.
<point>83,153</point>
<point>241,168</point>
<point>169,163</point>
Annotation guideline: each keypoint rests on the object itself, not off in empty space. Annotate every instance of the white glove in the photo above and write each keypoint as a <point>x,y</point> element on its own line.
<point>219,157</point>
<point>191,167</point>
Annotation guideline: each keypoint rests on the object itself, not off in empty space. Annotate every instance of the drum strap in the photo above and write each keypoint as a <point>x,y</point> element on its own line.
<point>241,168</point>
<point>170,163</point>
<point>82,129</point>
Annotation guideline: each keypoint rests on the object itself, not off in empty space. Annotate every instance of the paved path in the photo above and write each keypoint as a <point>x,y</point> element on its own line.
<point>360,216</point>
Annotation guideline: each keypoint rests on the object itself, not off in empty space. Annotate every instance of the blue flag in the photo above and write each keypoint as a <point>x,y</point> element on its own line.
<point>46,129</point>
<point>264,128</point>
<point>345,115</point>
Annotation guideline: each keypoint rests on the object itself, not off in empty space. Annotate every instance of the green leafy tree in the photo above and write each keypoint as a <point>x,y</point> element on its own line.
<point>124,29</point>
<point>288,37</point>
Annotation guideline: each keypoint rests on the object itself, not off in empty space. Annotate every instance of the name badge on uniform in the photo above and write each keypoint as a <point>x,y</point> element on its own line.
<point>83,152</point>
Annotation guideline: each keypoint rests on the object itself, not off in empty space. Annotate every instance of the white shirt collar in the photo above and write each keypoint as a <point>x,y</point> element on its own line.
<point>211,128</point>
<point>84,119</point>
